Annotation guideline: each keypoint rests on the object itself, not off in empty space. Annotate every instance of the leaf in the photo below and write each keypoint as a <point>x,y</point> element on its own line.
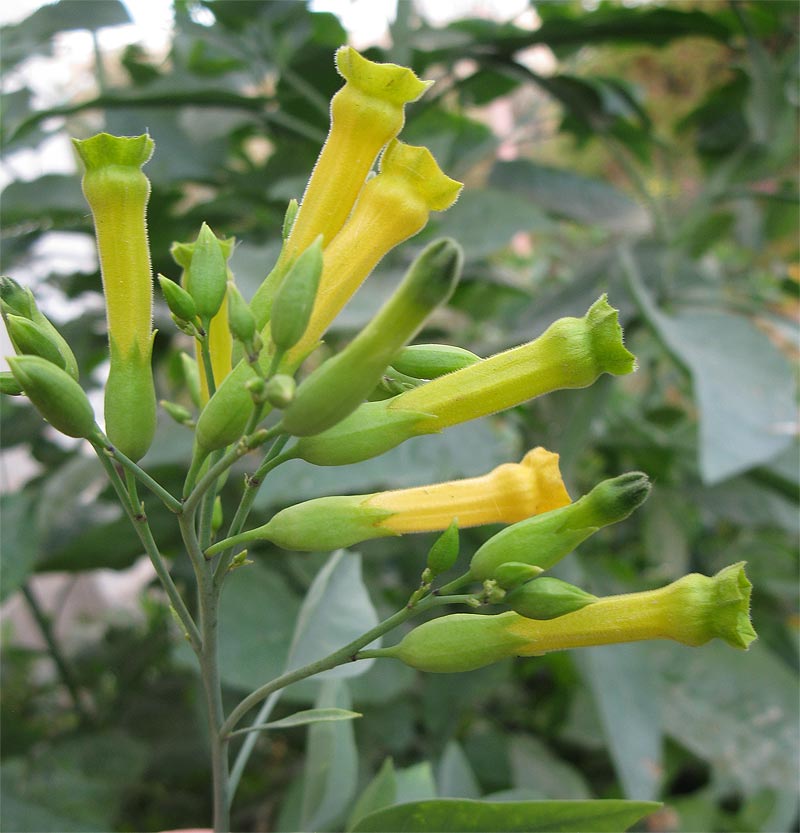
<point>535,767</point>
<point>304,718</point>
<point>627,694</point>
<point>567,194</point>
<point>379,793</point>
<point>463,816</point>
<point>736,710</point>
<point>331,771</point>
<point>455,776</point>
<point>19,539</point>
<point>78,785</point>
<point>415,783</point>
<point>744,386</point>
<point>335,611</point>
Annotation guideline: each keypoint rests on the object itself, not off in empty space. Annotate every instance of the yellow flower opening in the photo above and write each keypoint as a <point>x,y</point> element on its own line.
<point>366,114</point>
<point>393,206</point>
<point>507,494</point>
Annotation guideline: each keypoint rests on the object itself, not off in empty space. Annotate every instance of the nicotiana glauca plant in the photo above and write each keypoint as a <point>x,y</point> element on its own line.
<point>376,393</point>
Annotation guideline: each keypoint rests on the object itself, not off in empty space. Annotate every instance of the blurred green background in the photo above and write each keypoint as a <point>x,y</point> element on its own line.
<point>643,149</point>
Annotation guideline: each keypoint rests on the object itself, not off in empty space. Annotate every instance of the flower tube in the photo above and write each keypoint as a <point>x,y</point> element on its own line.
<point>692,610</point>
<point>117,192</point>
<point>571,353</point>
<point>393,206</point>
<point>507,494</point>
<point>366,113</point>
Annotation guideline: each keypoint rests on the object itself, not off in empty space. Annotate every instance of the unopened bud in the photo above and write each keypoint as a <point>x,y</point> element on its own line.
<point>30,340</point>
<point>429,361</point>
<point>444,552</point>
<point>207,275</point>
<point>548,598</point>
<point>513,573</point>
<point>180,302</point>
<point>216,515</point>
<point>55,394</point>
<point>8,384</point>
<point>241,321</point>
<point>180,414</point>
<point>191,376</point>
<point>280,390</point>
<point>294,300</point>
<point>289,218</point>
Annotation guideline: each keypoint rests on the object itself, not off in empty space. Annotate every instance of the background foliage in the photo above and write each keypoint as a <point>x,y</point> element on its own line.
<point>656,160</point>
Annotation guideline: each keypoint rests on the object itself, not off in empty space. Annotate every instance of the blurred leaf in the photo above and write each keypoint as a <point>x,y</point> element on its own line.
<point>455,816</point>
<point>34,34</point>
<point>534,767</point>
<point>567,194</point>
<point>379,793</point>
<point>739,711</point>
<point>745,388</point>
<point>335,611</point>
<point>415,783</point>
<point>454,776</point>
<point>627,694</point>
<point>331,771</point>
<point>484,221</point>
<point>19,539</point>
<point>308,716</point>
<point>78,786</point>
<point>50,200</point>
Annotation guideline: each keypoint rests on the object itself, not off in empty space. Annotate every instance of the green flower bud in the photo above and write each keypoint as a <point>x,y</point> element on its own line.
<point>280,391</point>
<point>289,218</point>
<point>693,610</point>
<point>8,384</point>
<point>241,321</point>
<point>294,300</point>
<point>207,275</point>
<point>513,573</point>
<point>14,300</point>
<point>545,539</point>
<point>340,385</point>
<point>429,361</point>
<point>180,414</point>
<point>547,598</point>
<point>180,302</point>
<point>31,340</point>
<point>444,552</point>
<point>55,394</point>
<point>191,376</point>
<point>217,517</point>
<point>225,416</point>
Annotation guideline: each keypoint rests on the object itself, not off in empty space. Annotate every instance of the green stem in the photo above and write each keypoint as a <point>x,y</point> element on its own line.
<point>65,670</point>
<point>205,353</point>
<point>172,503</point>
<point>252,484</point>
<point>249,742</point>
<point>139,521</point>
<point>346,654</point>
<point>207,505</point>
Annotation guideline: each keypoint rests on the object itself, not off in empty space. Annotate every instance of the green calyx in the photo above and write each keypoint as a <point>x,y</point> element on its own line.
<point>547,598</point>
<point>104,150</point>
<point>55,394</point>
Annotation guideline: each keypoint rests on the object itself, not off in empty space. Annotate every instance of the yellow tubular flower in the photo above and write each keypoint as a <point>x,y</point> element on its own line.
<point>366,114</point>
<point>393,206</point>
<point>693,610</point>
<point>510,493</point>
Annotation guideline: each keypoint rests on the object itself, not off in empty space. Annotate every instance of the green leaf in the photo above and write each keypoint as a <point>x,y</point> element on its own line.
<point>745,387</point>
<point>627,694</point>
<point>331,771</point>
<point>415,783</point>
<point>379,793</point>
<point>567,194</point>
<point>736,710</point>
<point>534,767</point>
<point>78,785</point>
<point>463,816</point>
<point>306,717</point>
<point>19,539</point>
<point>455,776</point>
<point>335,611</point>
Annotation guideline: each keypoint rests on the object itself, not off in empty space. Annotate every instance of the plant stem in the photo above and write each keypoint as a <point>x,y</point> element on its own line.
<point>345,654</point>
<point>172,503</point>
<point>207,505</point>
<point>249,742</point>
<point>65,670</point>
<point>139,521</point>
<point>205,354</point>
